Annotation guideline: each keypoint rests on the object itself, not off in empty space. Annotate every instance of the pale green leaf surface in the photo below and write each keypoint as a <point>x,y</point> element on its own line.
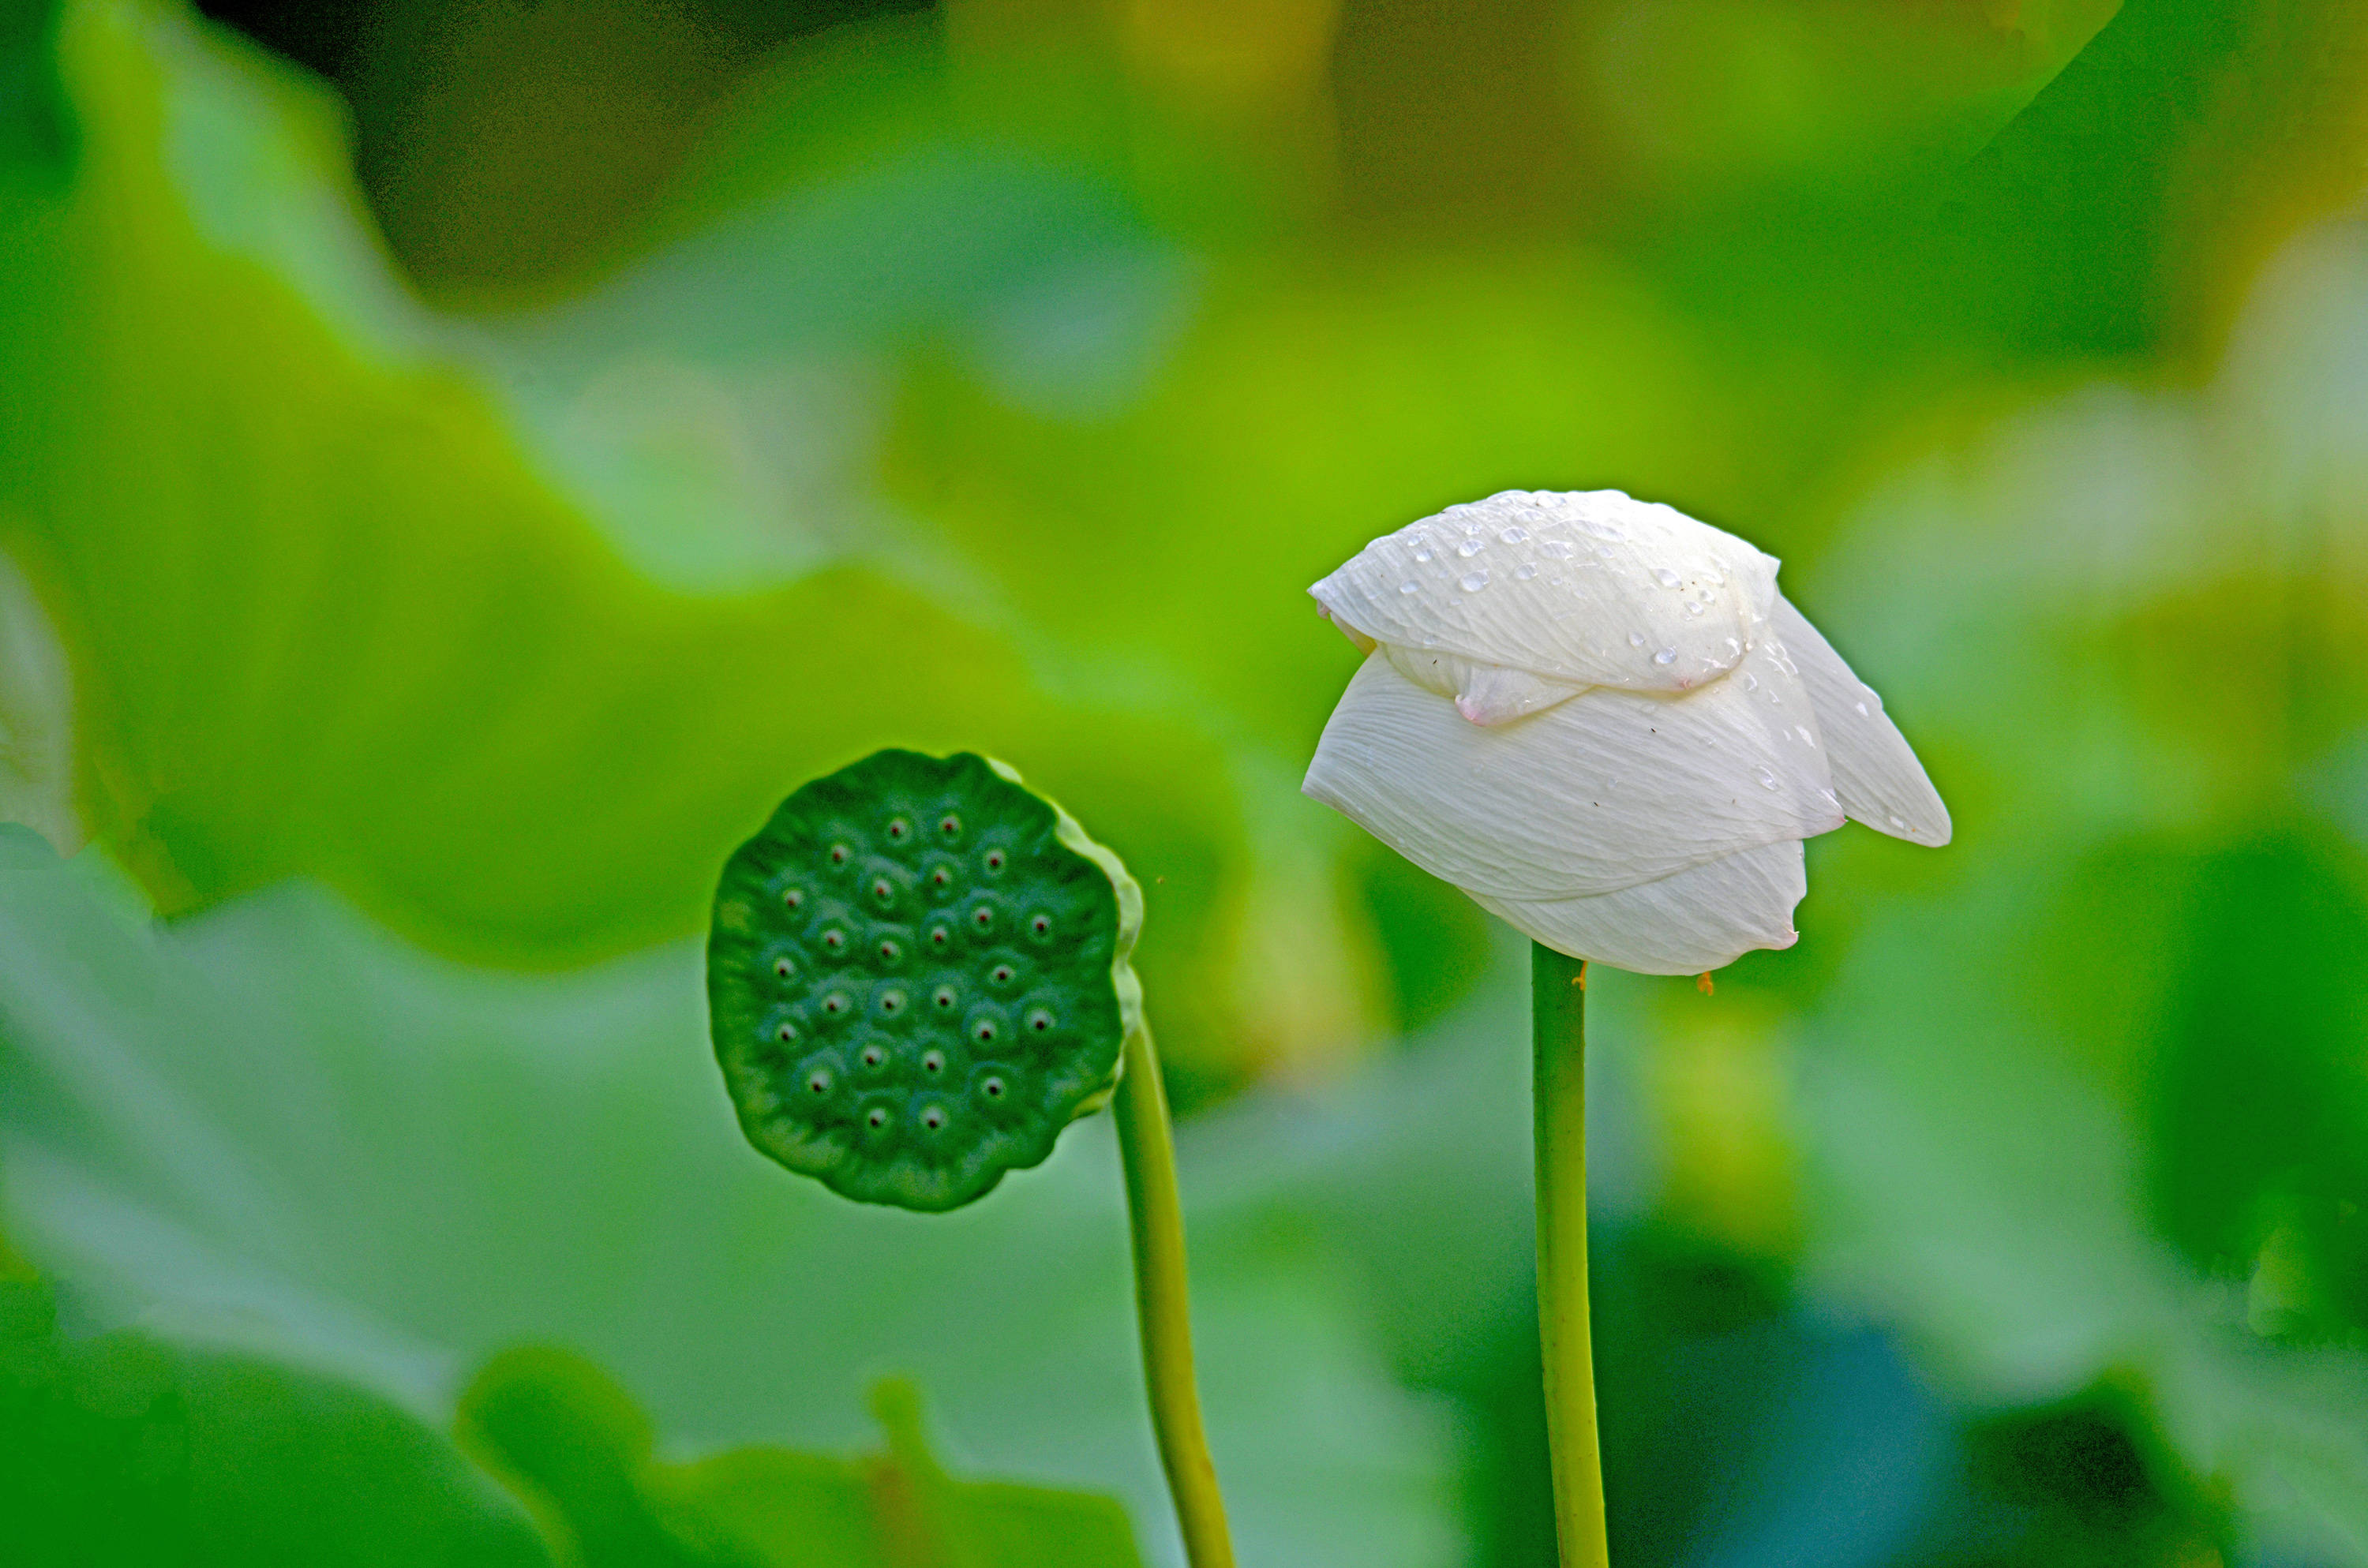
<point>276,1123</point>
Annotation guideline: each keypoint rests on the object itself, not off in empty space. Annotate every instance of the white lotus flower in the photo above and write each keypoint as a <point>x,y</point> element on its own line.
<point>1598,717</point>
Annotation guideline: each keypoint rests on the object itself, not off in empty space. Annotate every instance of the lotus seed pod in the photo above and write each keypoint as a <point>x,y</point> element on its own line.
<point>918,975</point>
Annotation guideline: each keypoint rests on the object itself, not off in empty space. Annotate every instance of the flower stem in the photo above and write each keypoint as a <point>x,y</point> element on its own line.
<point>1160,1301</point>
<point>1558,1034</point>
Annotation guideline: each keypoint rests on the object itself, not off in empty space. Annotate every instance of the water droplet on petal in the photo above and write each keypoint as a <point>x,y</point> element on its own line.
<point>1863,712</point>
<point>1422,555</point>
<point>1559,549</point>
<point>1665,577</point>
<point>1525,572</point>
<point>1666,656</point>
<point>1694,609</point>
<point>1513,535</point>
<point>1750,681</point>
<point>1469,548</point>
<point>1409,586</point>
<point>1635,640</point>
<point>1897,823</point>
<point>1767,778</point>
<point>1475,581</point>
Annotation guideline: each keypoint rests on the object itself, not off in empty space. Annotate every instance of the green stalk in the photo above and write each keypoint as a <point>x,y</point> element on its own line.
<point>1558,1034</point>
<point>1159,1299</point>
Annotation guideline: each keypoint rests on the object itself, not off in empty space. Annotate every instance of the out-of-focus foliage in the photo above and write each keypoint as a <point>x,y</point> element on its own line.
<point>998,376</point>
<point>409,616</point>
<point>571,1441</point>
<point>2096,1113</point>
<point>126,1448</point>
<point>280,1129</point>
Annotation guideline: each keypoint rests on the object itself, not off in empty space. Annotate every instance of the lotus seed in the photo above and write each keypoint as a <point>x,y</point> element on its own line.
<point>794,898</point>
<point>994,859</point>
<point>982,917</point>
<point>1040,1020</point>
<point>890,952</point>
<point>834,939</point>
<point>839,854</point>
<point>883,891</point>
<point>787,1032</point>
<point>783,969</point>
<point>1001,974</point>
<point>945,996</point>
<point>985,1029</point>
<point>950,826</point>
<point>819,1084</point>
<point>874,1056</point>
<point>878,1119</point>
<point>939,936</point>
<point>892,1002</point>
<point>992,1088</point>
<point>933,1062</point>
<point>1042,925</point>
<point>933,1118</point>
<point>898,829</point>
<point>940,877</point>
<point>835,1004</point>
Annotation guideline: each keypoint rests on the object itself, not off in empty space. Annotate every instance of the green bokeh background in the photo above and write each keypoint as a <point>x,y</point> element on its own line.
<point>461,463</point>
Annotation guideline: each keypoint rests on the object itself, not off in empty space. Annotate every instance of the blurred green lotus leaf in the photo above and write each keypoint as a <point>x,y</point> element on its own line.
<point>280,1126</point>
<point>569,1439</point>
<point>338,600</point>
<point>129,1449</point>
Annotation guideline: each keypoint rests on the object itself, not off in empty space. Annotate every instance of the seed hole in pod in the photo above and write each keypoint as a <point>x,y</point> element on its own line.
<point>794,897</point>
<point>876,1118</point>
<point>1040,1020</point>
<point>983,1028</point>
<point>839,854</point>
<point>835,939</point>
<point>983,918</point>
<point>835,1003</point>
<point>945,998</point>
<point>933,1062</point>
<point>874,1054</point>
<point>993,1088</point>
<point>900,830</point>
<point>892,1003</point>
<point>787,1032</point>
<point>889,951</point>
<point>1000,974</point>
<point>1042,926</point>
<point>883,891</point>
<point>940,936</point>
<point>818,1082</point>
<point>950,826</point>
<point>933,1118</point>
<point>783,969</point>
<point>994,859</point>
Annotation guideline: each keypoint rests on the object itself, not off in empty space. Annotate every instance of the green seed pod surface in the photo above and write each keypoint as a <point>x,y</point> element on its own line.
<point>918,975</point>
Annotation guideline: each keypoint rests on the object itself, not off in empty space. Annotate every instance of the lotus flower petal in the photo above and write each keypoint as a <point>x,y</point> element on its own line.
<point>1589,588</point>
<point>1486,694</point>
<point>1875,772</point>
<point>1603,792</point>
<point>1697,919</point>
